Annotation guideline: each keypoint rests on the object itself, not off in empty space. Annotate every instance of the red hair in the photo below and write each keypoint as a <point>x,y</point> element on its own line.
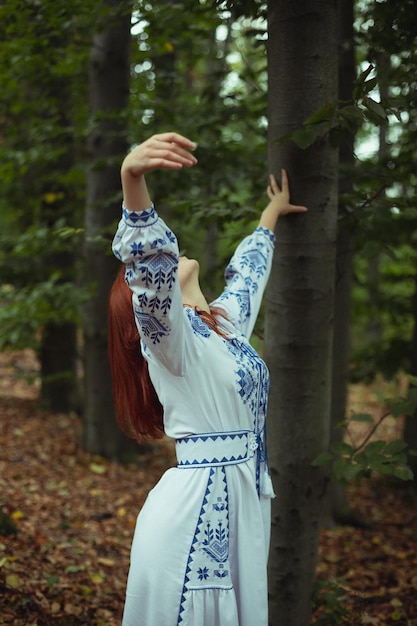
<point>138,409</point>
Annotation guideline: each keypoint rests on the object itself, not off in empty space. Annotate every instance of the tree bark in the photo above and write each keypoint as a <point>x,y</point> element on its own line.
<point>109,94</point>
<point>302,71</point>
<point>58,359</point>
<point>410,430</point>
<point>338,508</point>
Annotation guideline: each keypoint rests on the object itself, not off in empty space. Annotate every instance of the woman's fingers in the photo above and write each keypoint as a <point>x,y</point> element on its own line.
<point>284,181</point>
<point>177,139</point>
<point>171,148</point>
<point>167,151</point>
<point>280,196</point>
<point>292,208</point>
<point>273,185</point>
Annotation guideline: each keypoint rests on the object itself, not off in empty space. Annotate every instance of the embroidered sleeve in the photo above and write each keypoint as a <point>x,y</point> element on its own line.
<point>150,252</point>
<point>246,276</point>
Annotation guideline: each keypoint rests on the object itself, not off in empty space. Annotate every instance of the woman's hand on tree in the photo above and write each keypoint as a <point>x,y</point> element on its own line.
<point>279,198</point>
<point>279,202</point>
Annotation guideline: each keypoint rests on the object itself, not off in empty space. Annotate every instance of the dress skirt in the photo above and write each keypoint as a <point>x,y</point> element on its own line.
<point>199,551</point>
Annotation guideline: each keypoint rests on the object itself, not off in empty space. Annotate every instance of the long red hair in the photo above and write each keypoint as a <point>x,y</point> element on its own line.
<point>138,410</point>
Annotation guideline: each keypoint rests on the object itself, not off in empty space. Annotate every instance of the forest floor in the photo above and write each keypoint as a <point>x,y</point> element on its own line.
<point>75,515</point>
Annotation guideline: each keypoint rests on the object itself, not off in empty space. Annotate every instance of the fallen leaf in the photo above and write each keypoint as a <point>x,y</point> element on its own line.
<point>13,580</point>
<point>98,469</point>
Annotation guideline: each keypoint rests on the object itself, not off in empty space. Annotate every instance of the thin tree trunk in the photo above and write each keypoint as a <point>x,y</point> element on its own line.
<point>338,508</point>
<point>58,350</point>
<point>410,431</point>
<point>109,92</point>
<point>58,359</point>
<point>374,326</point>
<point>302,59</point>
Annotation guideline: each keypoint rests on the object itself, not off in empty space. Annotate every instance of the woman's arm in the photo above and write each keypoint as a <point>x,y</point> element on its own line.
<point>279,203</point>
<point>248,271</point>
<point>165,151</point>
<point>148,248</point>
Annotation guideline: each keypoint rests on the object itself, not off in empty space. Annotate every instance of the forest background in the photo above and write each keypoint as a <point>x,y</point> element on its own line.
<point>84,81</point>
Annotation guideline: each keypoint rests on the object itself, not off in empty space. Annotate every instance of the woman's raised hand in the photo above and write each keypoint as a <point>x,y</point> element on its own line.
<point>164,151</point>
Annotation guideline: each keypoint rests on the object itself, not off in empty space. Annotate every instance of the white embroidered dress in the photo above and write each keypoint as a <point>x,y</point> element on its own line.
<point>199,553</point>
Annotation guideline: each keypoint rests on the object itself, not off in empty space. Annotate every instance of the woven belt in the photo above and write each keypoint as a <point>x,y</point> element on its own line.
<point>216,449</point>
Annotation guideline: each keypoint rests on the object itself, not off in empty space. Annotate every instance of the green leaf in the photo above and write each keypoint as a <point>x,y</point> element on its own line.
<point>73,569</point>
<point>364,75</point>
<point>322,459</point>
<point>325,114</point>
<point>368,85</point>
<point>342,448</point>
<point>351,117</point>
<point>405,406</point>
<point>403,473</point>
<point>362,417</point>
<point>338,469</point>
<point>360,82</point>
<point>381,465</point>
<point>351,470</point>
<point>395,447</point>
<point>303,137</point>
<point>97,469</point>
<point>376,108</point>
<point>374,448</point>
<point>412,379</point>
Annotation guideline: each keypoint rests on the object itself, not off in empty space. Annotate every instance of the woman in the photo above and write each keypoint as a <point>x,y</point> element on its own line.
<point>199,554</point>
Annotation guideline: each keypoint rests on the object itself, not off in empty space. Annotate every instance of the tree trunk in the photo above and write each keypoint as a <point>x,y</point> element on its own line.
<point>338,508</point>
<point>109,94</point>
<point>302,58</point>
<point>374,327</point>
<point>58,359</point>
<point>410,431</point>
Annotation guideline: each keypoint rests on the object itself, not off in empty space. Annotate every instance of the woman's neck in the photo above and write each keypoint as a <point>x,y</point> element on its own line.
<point>195,298</point>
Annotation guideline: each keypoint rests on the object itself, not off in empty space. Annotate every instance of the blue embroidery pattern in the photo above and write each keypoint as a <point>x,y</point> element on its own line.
<point>202,573</point>
<point>242,297</point>
<point>252,379</point>
<point>198,325</point>
<point>252,376</point>
<point>137,248</point>
<point>159,269</point>
<point>151,326</point>
<point>154,303</point>
<point>247,267</point>
<point>208,562</point>
<point>255,261</point>
<point>214,449</point>
<point>216,543</point>
<point>140,218</point>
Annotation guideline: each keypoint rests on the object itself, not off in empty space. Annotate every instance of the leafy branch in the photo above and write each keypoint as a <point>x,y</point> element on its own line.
<point>346,462</point>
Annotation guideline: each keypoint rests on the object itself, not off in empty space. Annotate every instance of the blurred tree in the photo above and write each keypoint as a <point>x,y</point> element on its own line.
<point>107,144</point>
<point>339,510</point>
